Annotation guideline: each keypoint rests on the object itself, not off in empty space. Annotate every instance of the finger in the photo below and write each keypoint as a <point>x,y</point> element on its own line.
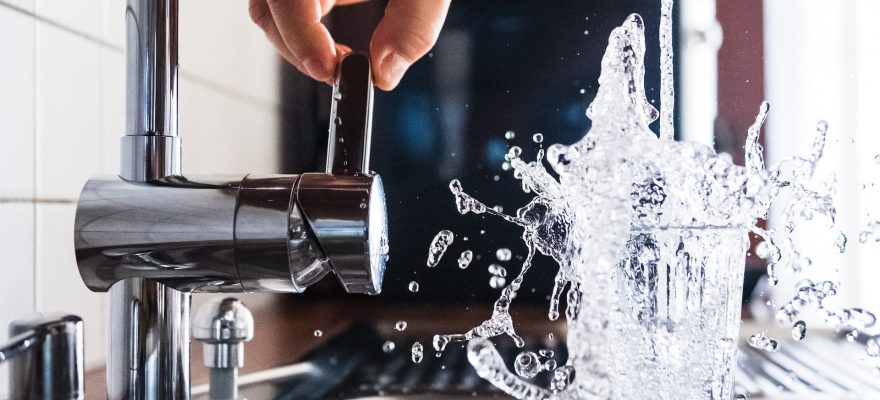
<point>299,25</point>
<point>262,16</point>
<point>407,31</point>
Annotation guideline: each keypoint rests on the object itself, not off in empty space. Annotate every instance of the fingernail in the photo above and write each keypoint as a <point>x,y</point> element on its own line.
<point>393,67</point>
<point>315,68</point>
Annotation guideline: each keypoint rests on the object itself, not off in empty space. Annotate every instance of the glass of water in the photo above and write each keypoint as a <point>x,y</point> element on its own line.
<point>675,313</point>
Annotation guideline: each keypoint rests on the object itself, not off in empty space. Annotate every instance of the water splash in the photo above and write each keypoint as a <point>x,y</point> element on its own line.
<point>438,246</point>
<point>632,216</point>
<point>761,341</point>
<point>464,260</point>
<point>417,352</point>
<point>667,85</point>
<point>799,330</point>
<point>527,364</point>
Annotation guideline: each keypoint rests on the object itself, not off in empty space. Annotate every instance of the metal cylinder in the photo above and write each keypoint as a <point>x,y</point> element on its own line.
<point>46,357</point>
<point>233,234</point>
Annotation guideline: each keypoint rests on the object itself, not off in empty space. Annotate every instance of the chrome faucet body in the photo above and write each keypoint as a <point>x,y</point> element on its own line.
<point>45,353</point>
<point>152,236</point>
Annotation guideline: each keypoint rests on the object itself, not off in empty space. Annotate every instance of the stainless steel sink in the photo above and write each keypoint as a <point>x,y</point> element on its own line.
<point>353,366</point>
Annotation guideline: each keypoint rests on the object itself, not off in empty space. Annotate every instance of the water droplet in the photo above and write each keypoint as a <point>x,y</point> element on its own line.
<point>799,330</point>
<point>546,353</point>
<point>337,121</point>
<point>388,346</point>
<point>864,236</point>
<point>413,286</point>
<point>761,341</point>
<point>840,243</point>
<point>418,352</point>
<point>465,259</point>
<point>538,138</point>
<point>582,91</point>
<point>440,342</point>
<point>338,96</point>
<point>498,209</point>
<point>505,166</point>
<point>438,246</point>
<point>852,335</point>
<point>363,206</point>
<point>586,32</point>
<point>400,326</point>
<point>497,282</point>
<point>503,254</point>
<point>550,365</point>
<point>872,346</point>
<point>514,152</point>
<point>741,396</point>
<point>318,333</point>
<point>877,158</point>
<point>527,364</point>
<point>497,270</point>
<point>509,135</point>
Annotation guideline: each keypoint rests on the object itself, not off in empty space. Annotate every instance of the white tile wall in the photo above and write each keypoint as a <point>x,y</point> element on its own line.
<point>248,146</point>
<point>69,112</point>
<point>82,16</point>
<point>16,263</point>
<point>62,105</point>
<point>222,46</point>
<point>16,103</point>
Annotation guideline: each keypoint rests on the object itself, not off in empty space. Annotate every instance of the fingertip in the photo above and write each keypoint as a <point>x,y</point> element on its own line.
<point>390,70</point>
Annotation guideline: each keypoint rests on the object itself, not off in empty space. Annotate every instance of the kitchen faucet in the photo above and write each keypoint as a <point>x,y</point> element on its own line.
<point>152,236</point>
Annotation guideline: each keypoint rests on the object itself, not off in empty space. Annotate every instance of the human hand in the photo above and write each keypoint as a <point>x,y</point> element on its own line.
<point>407,31</point>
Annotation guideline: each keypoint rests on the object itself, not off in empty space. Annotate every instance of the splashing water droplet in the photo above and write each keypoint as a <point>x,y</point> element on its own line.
<point>527,364</point>
<point>799,330</point>
<point>418,352</point>
<point>497,282</point>
<point>503,254</point>
<point>509,135</point>
<point>318,333</point>
<point>440,342</point>
<point>840,243</point>
<point>852,335</point>
<point>400,326</point>
<point>465,259</point>
<point>497,270</point>
<point>546,353</point>
<point>388,346</point>
<point>538,138</point>
<point>761,341</point>
<point>438,246</point>
<point>413,286</point>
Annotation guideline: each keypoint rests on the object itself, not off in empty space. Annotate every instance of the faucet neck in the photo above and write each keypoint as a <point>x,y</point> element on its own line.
<point>151,147</point>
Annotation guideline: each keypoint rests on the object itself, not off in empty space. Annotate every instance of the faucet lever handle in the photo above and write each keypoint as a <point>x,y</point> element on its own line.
<point>351,117</point>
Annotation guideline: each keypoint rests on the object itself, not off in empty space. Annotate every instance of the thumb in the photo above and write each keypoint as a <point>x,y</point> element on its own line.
<point>406,33</point>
